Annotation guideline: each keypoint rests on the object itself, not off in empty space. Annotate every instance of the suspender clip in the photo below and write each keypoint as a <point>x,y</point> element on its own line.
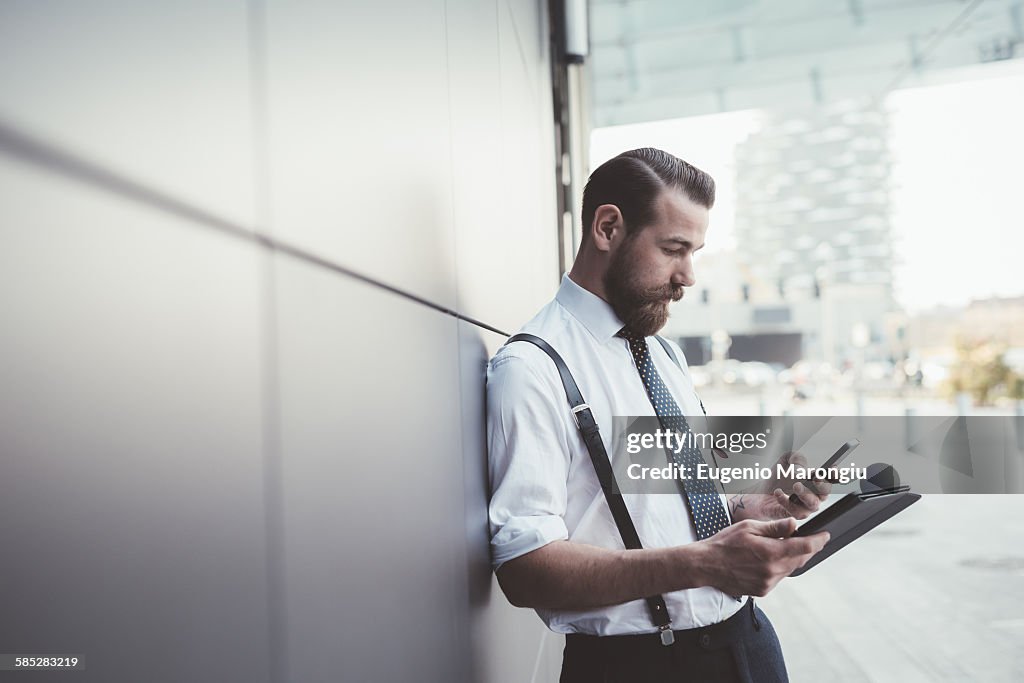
<point>667,637</point>
<point>581,407</point>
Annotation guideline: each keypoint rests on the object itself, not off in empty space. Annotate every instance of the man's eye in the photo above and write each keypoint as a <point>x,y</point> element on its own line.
<point>672,252</point>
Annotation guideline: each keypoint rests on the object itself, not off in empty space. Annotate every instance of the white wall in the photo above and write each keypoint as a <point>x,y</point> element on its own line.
<point>246,250</point>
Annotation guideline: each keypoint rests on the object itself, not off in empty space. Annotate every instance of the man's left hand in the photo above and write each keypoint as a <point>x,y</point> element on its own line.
<point>771,499</point>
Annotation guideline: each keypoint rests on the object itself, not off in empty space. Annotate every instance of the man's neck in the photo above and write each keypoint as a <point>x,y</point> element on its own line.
<point>587,278</point>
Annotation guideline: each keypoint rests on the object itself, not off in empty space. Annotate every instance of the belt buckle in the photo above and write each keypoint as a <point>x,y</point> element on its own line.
<point>667,637</point>
<point>581,407</point>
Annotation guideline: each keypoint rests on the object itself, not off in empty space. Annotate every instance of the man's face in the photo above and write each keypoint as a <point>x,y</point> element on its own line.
<point>650,268</point>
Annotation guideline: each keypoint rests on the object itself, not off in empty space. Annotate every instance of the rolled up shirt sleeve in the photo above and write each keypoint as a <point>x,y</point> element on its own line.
<point>528,455</point>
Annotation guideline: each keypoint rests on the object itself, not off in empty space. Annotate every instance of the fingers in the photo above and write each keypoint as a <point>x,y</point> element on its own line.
<point>783,529</point>
<point>821,487</point>
<point>808,545</point>
<point>808,498</point>
<point>783,499</point>
<point>777,528</point>
<point>802,548</point>
<point>789,508</point>
<point>809,493</point>
<point>820,540</point>
<point>794,458</point>
<point>770,554</point>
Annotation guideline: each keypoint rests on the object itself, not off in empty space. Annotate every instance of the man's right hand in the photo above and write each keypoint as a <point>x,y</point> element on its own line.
<point>751,557</point>
<point>747,558</point>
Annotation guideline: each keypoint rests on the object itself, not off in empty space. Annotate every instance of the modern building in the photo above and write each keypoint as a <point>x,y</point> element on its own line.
<point>811,276</point>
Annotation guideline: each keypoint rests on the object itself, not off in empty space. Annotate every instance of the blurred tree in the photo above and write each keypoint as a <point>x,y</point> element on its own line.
<point>979,370</point>
<point>1015,387</point>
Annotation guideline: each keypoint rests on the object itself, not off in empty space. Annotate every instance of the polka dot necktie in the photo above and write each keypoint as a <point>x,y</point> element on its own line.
<point>702,500</point>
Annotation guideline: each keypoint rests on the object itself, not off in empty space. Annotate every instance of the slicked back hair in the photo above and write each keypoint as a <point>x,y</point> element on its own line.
<point>633,180</point>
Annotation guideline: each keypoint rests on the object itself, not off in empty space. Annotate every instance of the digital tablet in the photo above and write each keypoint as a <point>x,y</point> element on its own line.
<point>853,516</point>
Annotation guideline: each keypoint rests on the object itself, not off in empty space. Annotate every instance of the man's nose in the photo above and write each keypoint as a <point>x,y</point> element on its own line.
<point>684,275</point>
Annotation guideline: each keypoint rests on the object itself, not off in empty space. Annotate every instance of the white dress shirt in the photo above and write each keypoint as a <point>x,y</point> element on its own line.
<point>543,483</point>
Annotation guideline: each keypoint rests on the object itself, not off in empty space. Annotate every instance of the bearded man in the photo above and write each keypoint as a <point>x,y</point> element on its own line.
<point>678,608</point>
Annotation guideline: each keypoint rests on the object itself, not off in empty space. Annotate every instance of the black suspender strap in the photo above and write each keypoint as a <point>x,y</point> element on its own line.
<point>668,349</point>
<point>605,475</point>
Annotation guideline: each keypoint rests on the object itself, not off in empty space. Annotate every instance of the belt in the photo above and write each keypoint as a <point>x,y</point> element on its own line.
<point>712,637</point>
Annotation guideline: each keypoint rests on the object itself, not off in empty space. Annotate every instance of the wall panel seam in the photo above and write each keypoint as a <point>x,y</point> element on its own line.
<point>23,147</point>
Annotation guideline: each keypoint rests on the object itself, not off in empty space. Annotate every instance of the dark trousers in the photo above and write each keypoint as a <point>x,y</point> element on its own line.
<point>743,648</point>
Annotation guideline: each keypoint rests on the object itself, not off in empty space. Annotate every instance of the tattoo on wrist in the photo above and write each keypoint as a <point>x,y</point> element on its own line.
<point>736,504</point>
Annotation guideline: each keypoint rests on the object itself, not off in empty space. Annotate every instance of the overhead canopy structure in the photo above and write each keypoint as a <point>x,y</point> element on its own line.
<point>662,59</point>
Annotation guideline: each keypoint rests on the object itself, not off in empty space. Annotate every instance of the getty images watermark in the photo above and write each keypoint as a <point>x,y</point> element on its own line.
<point>933,454</point>
<point>736,442</point>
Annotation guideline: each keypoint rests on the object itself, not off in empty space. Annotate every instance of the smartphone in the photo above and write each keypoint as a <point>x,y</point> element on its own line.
<point>836,458</point>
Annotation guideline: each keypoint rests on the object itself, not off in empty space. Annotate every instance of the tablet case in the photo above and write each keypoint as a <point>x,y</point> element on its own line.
<point>853,516</point>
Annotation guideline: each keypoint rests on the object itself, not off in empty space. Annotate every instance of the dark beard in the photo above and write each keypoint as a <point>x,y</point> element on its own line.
<point>643,310</point>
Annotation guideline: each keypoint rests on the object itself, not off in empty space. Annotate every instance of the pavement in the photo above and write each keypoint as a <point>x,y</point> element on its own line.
<point>935,594</point>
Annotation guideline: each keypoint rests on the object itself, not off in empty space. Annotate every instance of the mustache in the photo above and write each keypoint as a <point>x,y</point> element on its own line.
<point>659,294</point>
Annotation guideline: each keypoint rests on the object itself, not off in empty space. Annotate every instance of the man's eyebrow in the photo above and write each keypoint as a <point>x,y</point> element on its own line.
<point>684,242</point>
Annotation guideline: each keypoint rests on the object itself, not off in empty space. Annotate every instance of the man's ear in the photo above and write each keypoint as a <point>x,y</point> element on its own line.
<point>608,226</point>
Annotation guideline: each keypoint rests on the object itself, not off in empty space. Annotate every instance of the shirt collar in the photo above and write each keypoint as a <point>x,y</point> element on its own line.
<point>593,312</point>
